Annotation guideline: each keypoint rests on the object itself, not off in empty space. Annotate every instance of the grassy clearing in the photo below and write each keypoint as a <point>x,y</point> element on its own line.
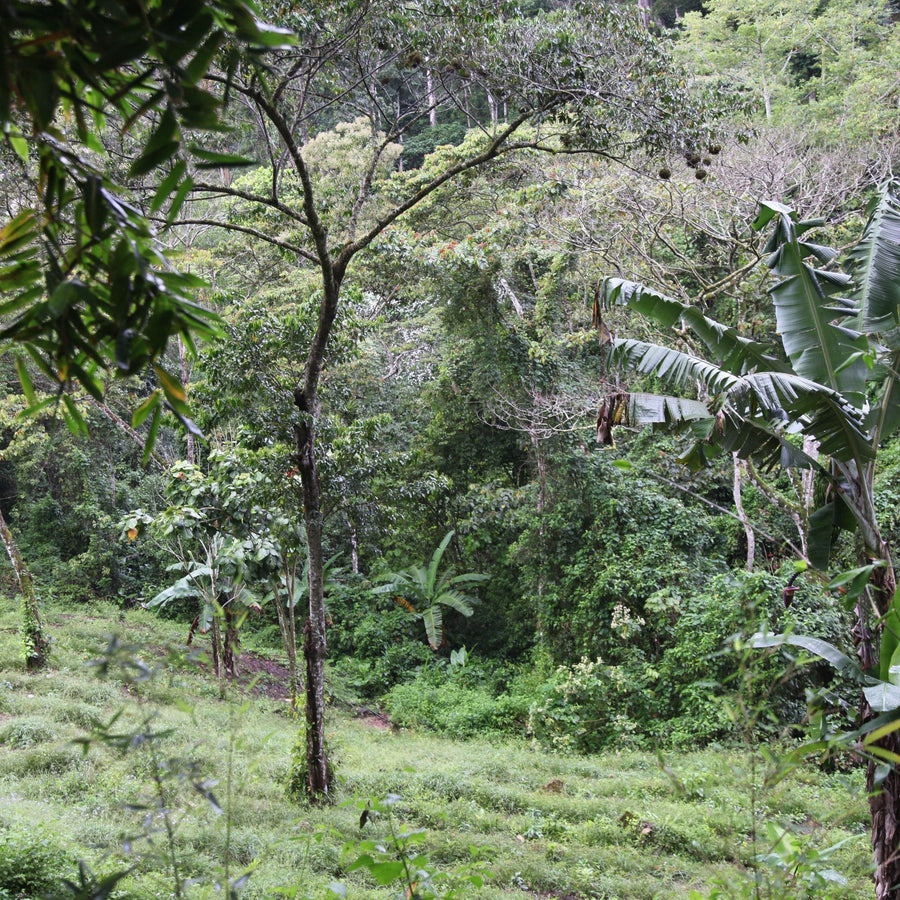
<point>610,826</point>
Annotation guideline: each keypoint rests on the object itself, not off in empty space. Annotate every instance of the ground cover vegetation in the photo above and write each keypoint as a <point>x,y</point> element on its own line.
<point>412,279</point>
<point>125,758</point>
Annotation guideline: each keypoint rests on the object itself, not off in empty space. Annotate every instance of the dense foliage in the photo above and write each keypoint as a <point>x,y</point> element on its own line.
<point>379,255</point>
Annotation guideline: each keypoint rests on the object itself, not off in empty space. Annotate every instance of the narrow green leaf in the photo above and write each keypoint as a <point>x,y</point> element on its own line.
<point>149,160</point>
<point>172,386</point>
<point>25,381</point>
<point>854,580</point>
<point>73,417</point>
<point>877,735</point>
<point>199,65</point>
<point>211,159</point>
<point>168,185</point>
<point>19,145</point>
<point>150,442</point>
<point>144,410</point>
<point>178,201</point>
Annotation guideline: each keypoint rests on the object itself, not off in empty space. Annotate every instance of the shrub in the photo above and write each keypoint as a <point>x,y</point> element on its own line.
<point>683,696</point>
<point>31,864</point>
<point>27,732</point>
<point>584,708</point>
<point>462,699</point>
<point>371,641</point>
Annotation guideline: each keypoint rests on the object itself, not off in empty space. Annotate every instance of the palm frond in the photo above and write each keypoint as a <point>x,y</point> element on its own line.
<point>433,619</point>
<point>730,350</point>
<point>806,309</point>
<point>875,263</point>
<point>467,578</point>
<point>884,416</point>
<point>674,367</point>
<point>455,600</point>
<point>662,409</point>
<point>812,408</point>
<point>431,574</point>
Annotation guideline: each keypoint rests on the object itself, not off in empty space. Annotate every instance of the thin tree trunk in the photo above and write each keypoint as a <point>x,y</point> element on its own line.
<point>231,646</point>
<point>215,639</point>
<point>318,775</point>
<point>739,466</point>
<point>190,449</point>
<point>354,545</point>
<point>288,628</point>
<point>644,7</point>
<point>492,106</point>
<point>432,100</point>
<point>37,644</point>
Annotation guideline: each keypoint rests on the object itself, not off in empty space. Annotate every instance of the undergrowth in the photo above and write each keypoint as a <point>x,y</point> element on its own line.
<point>176,793</point>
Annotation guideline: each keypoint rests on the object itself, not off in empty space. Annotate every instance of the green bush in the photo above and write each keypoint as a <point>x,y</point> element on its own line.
<point>26,732</point>
<point>454,710</point>
<point>31,864</point>
<point>584,708</point>
<point>374,643</point>
<point>688,694</point>
<point>462,699</point>
<point>701,672</point>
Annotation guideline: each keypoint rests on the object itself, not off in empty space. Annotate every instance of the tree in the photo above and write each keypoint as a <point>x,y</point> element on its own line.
<point>36,642</point>
<point>831,65</point>
<point>581,78</point>
<point>84,287</point>
<point>755,405</point>
<point>224,538</point>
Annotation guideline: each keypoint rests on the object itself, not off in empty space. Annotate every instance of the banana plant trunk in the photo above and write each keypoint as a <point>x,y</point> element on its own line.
<point>884,795</point>
<point>884,806</point>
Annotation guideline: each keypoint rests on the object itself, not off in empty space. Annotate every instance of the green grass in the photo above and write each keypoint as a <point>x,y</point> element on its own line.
<point>613,826</point>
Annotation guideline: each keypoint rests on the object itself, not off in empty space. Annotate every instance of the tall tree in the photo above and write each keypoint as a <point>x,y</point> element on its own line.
<point>582,78</point>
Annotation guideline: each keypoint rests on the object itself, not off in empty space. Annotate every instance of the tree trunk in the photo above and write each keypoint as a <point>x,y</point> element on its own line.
<point>739,466</point>
<point>37,644</point>
<point>884,798</point>
<point>318,773</point>
<point>432,100</point>
<point>645,8</point>
<point>288,628</point>
<point>215,643</point>
<point>884,805</point>
<point>190,449</point>
<point>231,645</point>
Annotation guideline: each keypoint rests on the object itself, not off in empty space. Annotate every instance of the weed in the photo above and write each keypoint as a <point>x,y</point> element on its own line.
<point>26,732</point>
<point>32,863</point>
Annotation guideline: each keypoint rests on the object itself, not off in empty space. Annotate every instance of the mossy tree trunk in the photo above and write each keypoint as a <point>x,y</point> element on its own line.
<point>37,644</point>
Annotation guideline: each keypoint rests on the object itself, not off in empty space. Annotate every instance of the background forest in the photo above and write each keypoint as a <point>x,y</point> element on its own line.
<point>489,563</point>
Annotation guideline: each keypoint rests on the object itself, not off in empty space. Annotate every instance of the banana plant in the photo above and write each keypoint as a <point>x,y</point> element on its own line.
<point>423,591</point>
<point>834,380</point>
<point>839,340</point>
